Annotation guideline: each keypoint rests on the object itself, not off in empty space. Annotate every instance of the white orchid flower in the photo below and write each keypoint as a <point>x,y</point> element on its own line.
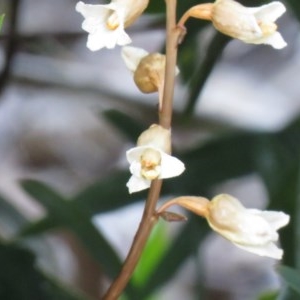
<point>150,159</point>
<point>249,229</point>
<point>106,23</point>
<point>251,25</point>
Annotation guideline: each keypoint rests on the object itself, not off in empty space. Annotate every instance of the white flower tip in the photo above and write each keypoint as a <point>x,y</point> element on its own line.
<point>276,41</point>
<point>279,8</point>
<point>136,184</point>
<point>268,250</point>
<point>132,56</point>
<point>170,166</point>
<point>79,6</point>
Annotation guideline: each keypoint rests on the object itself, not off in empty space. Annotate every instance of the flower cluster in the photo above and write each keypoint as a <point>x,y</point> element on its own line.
<point>249,229</point>
<point>255,25</point>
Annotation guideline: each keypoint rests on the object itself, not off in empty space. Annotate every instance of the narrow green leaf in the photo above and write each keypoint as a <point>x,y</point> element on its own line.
<point>220,159</point>
<point>183,246</point>
<point>125,124</point>
<point>109,194</point>
<point>11,220</point>
<point>1,20</point>
<point>39,227</point>
<point>156,246</point>
<point>213,53</point>
<point>74,216</point>
<point>269,295</point>
<point>21,279</point>
<point>291,277</point>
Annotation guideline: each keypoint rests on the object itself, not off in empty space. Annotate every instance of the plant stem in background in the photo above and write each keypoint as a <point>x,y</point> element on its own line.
<point>165,118</point>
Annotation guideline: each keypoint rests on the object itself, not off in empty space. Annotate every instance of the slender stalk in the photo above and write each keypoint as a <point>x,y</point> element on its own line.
<point>173,33</point>
<point>149,217</point>
<point>148,220</point>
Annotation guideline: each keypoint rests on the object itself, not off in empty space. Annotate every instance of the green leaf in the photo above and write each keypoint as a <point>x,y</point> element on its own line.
<point>74,216</point>
<point>11,220</point>
<point>269,295</point>
<point>109,194</point>
<point>21,279</point>
<point>220,159</point>
<point>212,55</point>
<point>127,125</point>
<point>1,20</point>
<point>184,245</point>
<point>39,227</point>
<point>156,246</point>
<point>291,277</point>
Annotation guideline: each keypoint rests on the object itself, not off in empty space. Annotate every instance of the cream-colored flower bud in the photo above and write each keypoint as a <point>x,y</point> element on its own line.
<point>250,229</point>
<point>251,25</point>
<point>156,136</point>
<point>150,72</point>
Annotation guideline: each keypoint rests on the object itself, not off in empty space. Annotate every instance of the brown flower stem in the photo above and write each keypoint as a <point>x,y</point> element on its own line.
<point>149,217</point>
<point>148,221</point>
<point>201,11</point>
<point>173,34</point>
<point>198,205</point>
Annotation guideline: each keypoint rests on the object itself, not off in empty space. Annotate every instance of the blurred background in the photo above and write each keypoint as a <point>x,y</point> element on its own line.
<point>67,116</point>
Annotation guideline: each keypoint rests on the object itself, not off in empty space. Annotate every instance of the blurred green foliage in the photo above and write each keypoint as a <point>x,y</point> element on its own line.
<point>275,157</point>
<point>1,20</point>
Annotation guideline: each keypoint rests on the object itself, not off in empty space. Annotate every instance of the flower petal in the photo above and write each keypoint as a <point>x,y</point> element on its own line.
<point>135,168</point>
<point>93,11</point>
<point>269,12</point>
<point>276,219</point>
<point>170,166</point>
<point>275,40</point>
<point>136,184</point>
<point>135,153</point>
<point>132,56</point>
<point>269,250</point>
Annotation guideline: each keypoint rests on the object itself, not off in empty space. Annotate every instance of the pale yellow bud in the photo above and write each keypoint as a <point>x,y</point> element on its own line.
<point>156,136</point>
<point>149,74</point>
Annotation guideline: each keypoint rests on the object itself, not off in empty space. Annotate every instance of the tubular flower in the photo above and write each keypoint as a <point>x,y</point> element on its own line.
<point>251,25</point>
<point>151,160</point>
<point>106,23</point>
<point>250,229</point>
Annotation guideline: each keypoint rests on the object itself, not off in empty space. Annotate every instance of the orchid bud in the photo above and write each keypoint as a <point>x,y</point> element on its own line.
<point>150,72</point>
<point>156,136</point>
